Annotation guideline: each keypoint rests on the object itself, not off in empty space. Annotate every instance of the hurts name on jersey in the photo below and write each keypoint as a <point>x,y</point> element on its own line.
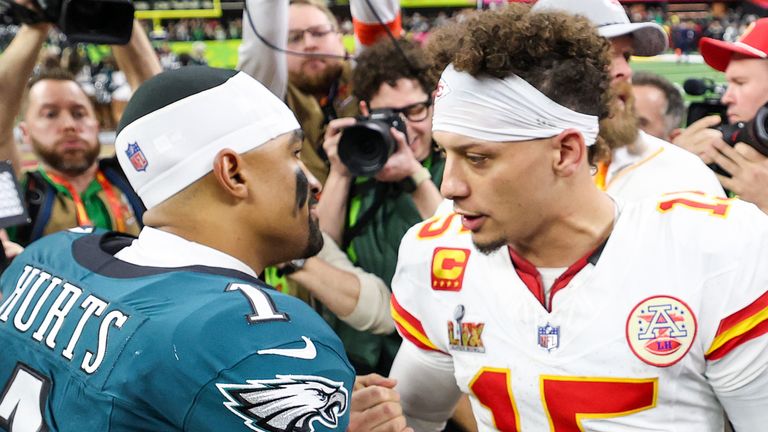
<point>39,294</point>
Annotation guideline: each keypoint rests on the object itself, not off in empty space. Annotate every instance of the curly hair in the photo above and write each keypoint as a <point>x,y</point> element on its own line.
<point>560,54</point>
<point>384,63</point>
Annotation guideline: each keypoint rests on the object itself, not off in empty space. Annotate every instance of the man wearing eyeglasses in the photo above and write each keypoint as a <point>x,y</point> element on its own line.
<point>377,211</point>
<point>307,64</point>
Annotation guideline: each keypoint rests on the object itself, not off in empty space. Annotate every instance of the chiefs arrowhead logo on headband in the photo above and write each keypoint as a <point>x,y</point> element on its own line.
<point>442,89</point>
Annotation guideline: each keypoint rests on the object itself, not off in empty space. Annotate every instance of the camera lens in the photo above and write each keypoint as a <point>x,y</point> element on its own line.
<point>365,147</point>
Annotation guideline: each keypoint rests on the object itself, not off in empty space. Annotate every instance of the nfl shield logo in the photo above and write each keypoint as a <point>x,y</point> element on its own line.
<point>549,337</point>
<point>136,156</point>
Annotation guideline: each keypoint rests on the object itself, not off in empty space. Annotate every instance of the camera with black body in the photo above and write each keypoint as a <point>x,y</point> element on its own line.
<point>710,105</point>
<point>88,21</point>
<point>367,145</point>
<point>753,133</point>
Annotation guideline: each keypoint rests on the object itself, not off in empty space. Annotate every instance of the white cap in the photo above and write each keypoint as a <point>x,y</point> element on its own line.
<point>612,21</point>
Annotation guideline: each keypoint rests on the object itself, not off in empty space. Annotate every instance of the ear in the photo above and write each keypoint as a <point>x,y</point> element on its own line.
<point>24,128</point>
<point>228,172</point>
<point>364,109</point>
<point>570,151</point>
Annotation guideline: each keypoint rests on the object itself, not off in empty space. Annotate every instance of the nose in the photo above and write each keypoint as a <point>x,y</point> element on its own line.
<point>314,184</point>
<point>620,69</point>
<point>454,186</point>
<point>729,96</point>
<point>68,121</point>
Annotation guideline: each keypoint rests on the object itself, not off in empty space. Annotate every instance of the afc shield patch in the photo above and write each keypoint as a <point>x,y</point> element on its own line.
<point>448,266</point>
<point>661,330</point>
<point>136,156</point>
<point>549,337</point>
<point>288,403</point>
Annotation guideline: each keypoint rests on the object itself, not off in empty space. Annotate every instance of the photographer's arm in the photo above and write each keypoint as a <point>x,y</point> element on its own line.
<point>332,208</point>
<point>359,298</point>
<point>16,65</point>
<point>270,18</point>
<point>137,59</point>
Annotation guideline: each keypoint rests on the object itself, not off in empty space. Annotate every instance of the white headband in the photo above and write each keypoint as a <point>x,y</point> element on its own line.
<point>509,109</point>
<point>167,150</point>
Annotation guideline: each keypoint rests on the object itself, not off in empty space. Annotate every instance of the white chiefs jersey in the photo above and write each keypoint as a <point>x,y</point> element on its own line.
<point>662,328</point>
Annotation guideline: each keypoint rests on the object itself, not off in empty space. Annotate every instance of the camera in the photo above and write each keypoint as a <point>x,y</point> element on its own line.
<point>367,145</point>
<point>753,133</point>
<point>710,105</point>
<point>88,21</point>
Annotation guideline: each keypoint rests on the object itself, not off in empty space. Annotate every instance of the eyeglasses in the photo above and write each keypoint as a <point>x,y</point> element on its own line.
<point>414,112</point>
<point>317,32</point>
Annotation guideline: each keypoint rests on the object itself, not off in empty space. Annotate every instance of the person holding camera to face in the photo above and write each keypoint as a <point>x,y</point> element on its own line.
<point>71,186</point>
<point>737,150</point>
<point>384,174</point>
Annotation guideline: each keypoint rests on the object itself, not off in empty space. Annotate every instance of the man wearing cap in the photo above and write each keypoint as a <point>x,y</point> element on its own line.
<point>745,63</point>
<point>173,330</point>
<point>631,163</point>
<point>553,306</point>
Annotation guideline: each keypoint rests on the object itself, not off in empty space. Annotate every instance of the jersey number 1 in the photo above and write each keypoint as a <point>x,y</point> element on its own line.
<point>22,401</point>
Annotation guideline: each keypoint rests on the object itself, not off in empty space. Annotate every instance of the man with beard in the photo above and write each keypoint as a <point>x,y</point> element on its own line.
<point>552,305</point>
<point>631,163</point>
<point>70,187</point>
<point>176,331</point>
<point>307,64</point>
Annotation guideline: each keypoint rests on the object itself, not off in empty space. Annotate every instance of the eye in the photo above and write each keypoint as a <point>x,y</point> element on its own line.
<point>627,56</point>
<point>476,159</point>
<point>320,395</point>
<point>49,114</point>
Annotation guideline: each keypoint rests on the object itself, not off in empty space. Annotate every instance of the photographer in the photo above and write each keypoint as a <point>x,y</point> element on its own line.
<point>368,216</point>
<point>746,71</point>
<point>296,50</point>
<point>71,187</point>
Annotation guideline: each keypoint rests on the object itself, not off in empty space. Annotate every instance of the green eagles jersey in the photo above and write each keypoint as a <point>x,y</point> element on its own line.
<point>92,343</point>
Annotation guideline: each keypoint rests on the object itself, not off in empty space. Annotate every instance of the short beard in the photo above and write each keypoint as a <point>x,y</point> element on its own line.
<point>318,83</point>
<point>70,163</point>
<point>489,247</point>
<point>315,242</point>
<point>620,128</point>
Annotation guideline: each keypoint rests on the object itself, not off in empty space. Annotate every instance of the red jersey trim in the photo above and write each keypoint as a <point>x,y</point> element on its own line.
<point>410,328</point>
<point>739,327</point>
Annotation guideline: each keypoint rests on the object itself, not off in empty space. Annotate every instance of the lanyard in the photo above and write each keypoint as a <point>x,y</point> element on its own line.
<point>113,202</point>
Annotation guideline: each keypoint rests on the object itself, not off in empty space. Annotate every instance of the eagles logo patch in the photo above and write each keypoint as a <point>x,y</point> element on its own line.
<point>287,403</point>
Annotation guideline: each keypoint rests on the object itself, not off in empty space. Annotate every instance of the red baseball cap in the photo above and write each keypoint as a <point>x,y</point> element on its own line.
<point>752,43</point>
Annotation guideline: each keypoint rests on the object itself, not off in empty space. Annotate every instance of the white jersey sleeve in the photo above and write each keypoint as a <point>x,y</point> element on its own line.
<point>423,361</point>
<point>737,357</point>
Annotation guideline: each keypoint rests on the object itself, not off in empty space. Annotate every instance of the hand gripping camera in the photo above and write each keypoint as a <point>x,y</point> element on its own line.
<point>367,145</point>
<point>754,133</point>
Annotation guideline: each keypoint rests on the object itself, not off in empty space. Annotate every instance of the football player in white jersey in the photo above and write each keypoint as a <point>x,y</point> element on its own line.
<point>553,306</point>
